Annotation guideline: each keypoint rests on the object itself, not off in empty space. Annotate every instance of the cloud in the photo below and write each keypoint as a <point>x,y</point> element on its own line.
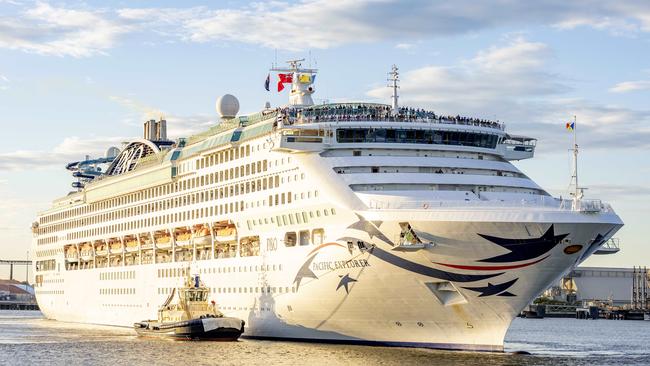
<point>511,82</point>
<point>83,31</point>
<point>326,24</point>
<point>405,46</point>
<point>76,148</point>
<point>628,86</point>
<point>48,30</point>
<point>4,82</point>
<point>512,70</point>
<point>70,149</point>
<point>177,125</point>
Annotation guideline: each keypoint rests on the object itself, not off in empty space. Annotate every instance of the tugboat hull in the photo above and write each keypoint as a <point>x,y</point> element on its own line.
<point>218,329</point>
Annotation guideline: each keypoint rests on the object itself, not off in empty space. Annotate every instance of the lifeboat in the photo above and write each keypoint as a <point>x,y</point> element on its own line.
<point>226,234</point>
<point>131,245</point>
<point>146,243</point>
<point>101,250</point>
<point>116,247</point>
<point>164,242</point>
<point>202,236</point>
<point>71,254</point>
<point>86,252</point>
<point>184,239</point>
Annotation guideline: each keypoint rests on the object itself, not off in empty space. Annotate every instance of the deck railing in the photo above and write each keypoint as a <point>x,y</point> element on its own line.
<point>543,204</point>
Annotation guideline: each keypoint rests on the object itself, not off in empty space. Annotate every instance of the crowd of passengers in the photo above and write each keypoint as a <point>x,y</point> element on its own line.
<point>367,112</point>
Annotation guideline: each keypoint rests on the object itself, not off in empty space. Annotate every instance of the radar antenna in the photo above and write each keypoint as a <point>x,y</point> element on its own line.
<point>393,82</point>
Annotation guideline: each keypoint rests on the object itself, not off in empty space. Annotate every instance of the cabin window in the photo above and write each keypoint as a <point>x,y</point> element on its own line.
<point>290,239</point>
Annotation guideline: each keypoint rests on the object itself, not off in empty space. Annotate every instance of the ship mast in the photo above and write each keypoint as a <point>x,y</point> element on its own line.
<point>393,82</point>
<point>301,82</point>
<point>578,192</point>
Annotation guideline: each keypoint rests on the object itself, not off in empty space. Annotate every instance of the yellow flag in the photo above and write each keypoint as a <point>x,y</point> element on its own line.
<point>304,78</point>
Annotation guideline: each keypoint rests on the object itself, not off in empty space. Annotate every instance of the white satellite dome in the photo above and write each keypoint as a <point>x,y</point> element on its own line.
<point>227,106</point>
<point>112,152</point>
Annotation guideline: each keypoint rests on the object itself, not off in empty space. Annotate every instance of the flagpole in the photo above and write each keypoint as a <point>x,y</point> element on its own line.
<point>575,157</point>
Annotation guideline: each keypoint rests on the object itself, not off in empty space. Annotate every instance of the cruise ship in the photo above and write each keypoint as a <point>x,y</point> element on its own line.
<point>345,222</point>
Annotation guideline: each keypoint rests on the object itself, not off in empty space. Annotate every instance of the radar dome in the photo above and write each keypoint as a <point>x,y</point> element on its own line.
<point>112,152</point>
<point>227,106</point>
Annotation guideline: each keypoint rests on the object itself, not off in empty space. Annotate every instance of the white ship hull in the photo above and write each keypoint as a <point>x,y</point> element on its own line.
<point>342,223</point>
<point>378,295</point>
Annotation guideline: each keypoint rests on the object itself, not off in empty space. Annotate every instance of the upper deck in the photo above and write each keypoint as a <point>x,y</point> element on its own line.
<point>376,112</point>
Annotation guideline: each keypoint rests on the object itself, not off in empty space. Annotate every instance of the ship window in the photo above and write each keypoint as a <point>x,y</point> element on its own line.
<point>317,236</point>
<point>290,239</point>
<point>304,238</point>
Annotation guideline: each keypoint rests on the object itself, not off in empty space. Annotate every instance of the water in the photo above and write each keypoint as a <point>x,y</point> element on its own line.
<point>26,338</point>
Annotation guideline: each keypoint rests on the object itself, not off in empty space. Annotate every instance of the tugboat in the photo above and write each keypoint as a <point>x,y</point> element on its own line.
<point>191,317</point>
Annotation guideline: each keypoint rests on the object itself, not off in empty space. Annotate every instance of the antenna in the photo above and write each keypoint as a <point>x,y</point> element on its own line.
<point>578,192</point>
<point>393,82</point>
<point>301,80</point>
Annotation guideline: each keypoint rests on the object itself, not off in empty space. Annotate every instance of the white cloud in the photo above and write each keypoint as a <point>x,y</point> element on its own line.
<point>628,86</point>
<point>325,24</point>
<point>81,32</point>
<point>70,149</point>
<point>76,148</point>
<point>513,71</point>
<point>49,30</point>
<point>405,46</point>
<point>177,125</point>
<point>512,83</point>
<point>4,82</point>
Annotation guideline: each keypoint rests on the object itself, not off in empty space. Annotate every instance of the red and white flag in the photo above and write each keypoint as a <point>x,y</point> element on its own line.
<point>284,78</point>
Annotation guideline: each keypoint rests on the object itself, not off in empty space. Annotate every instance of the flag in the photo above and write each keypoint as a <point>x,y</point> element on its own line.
<point>570,126</point>
<point>284,78</point>
<point>267,82</point>
<point>305,78</point>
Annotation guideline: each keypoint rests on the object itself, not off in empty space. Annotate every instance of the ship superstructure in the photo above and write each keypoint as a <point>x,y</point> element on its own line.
<point>347,222</point>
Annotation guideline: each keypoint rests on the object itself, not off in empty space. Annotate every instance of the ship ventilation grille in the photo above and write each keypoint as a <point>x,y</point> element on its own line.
<point>446,293</point>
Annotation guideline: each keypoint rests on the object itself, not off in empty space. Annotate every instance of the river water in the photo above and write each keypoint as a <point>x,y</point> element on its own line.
<point>28,339</point>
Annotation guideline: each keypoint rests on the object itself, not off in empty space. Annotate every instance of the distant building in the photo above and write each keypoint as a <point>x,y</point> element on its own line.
<point>613,285</point>
<point>11,290</point>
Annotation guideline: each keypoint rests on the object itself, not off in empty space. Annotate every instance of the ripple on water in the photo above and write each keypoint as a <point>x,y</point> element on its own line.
<point>33,340</point>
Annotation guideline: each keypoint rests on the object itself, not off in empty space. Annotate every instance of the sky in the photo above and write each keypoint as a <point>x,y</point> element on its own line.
<point>79,77</point>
